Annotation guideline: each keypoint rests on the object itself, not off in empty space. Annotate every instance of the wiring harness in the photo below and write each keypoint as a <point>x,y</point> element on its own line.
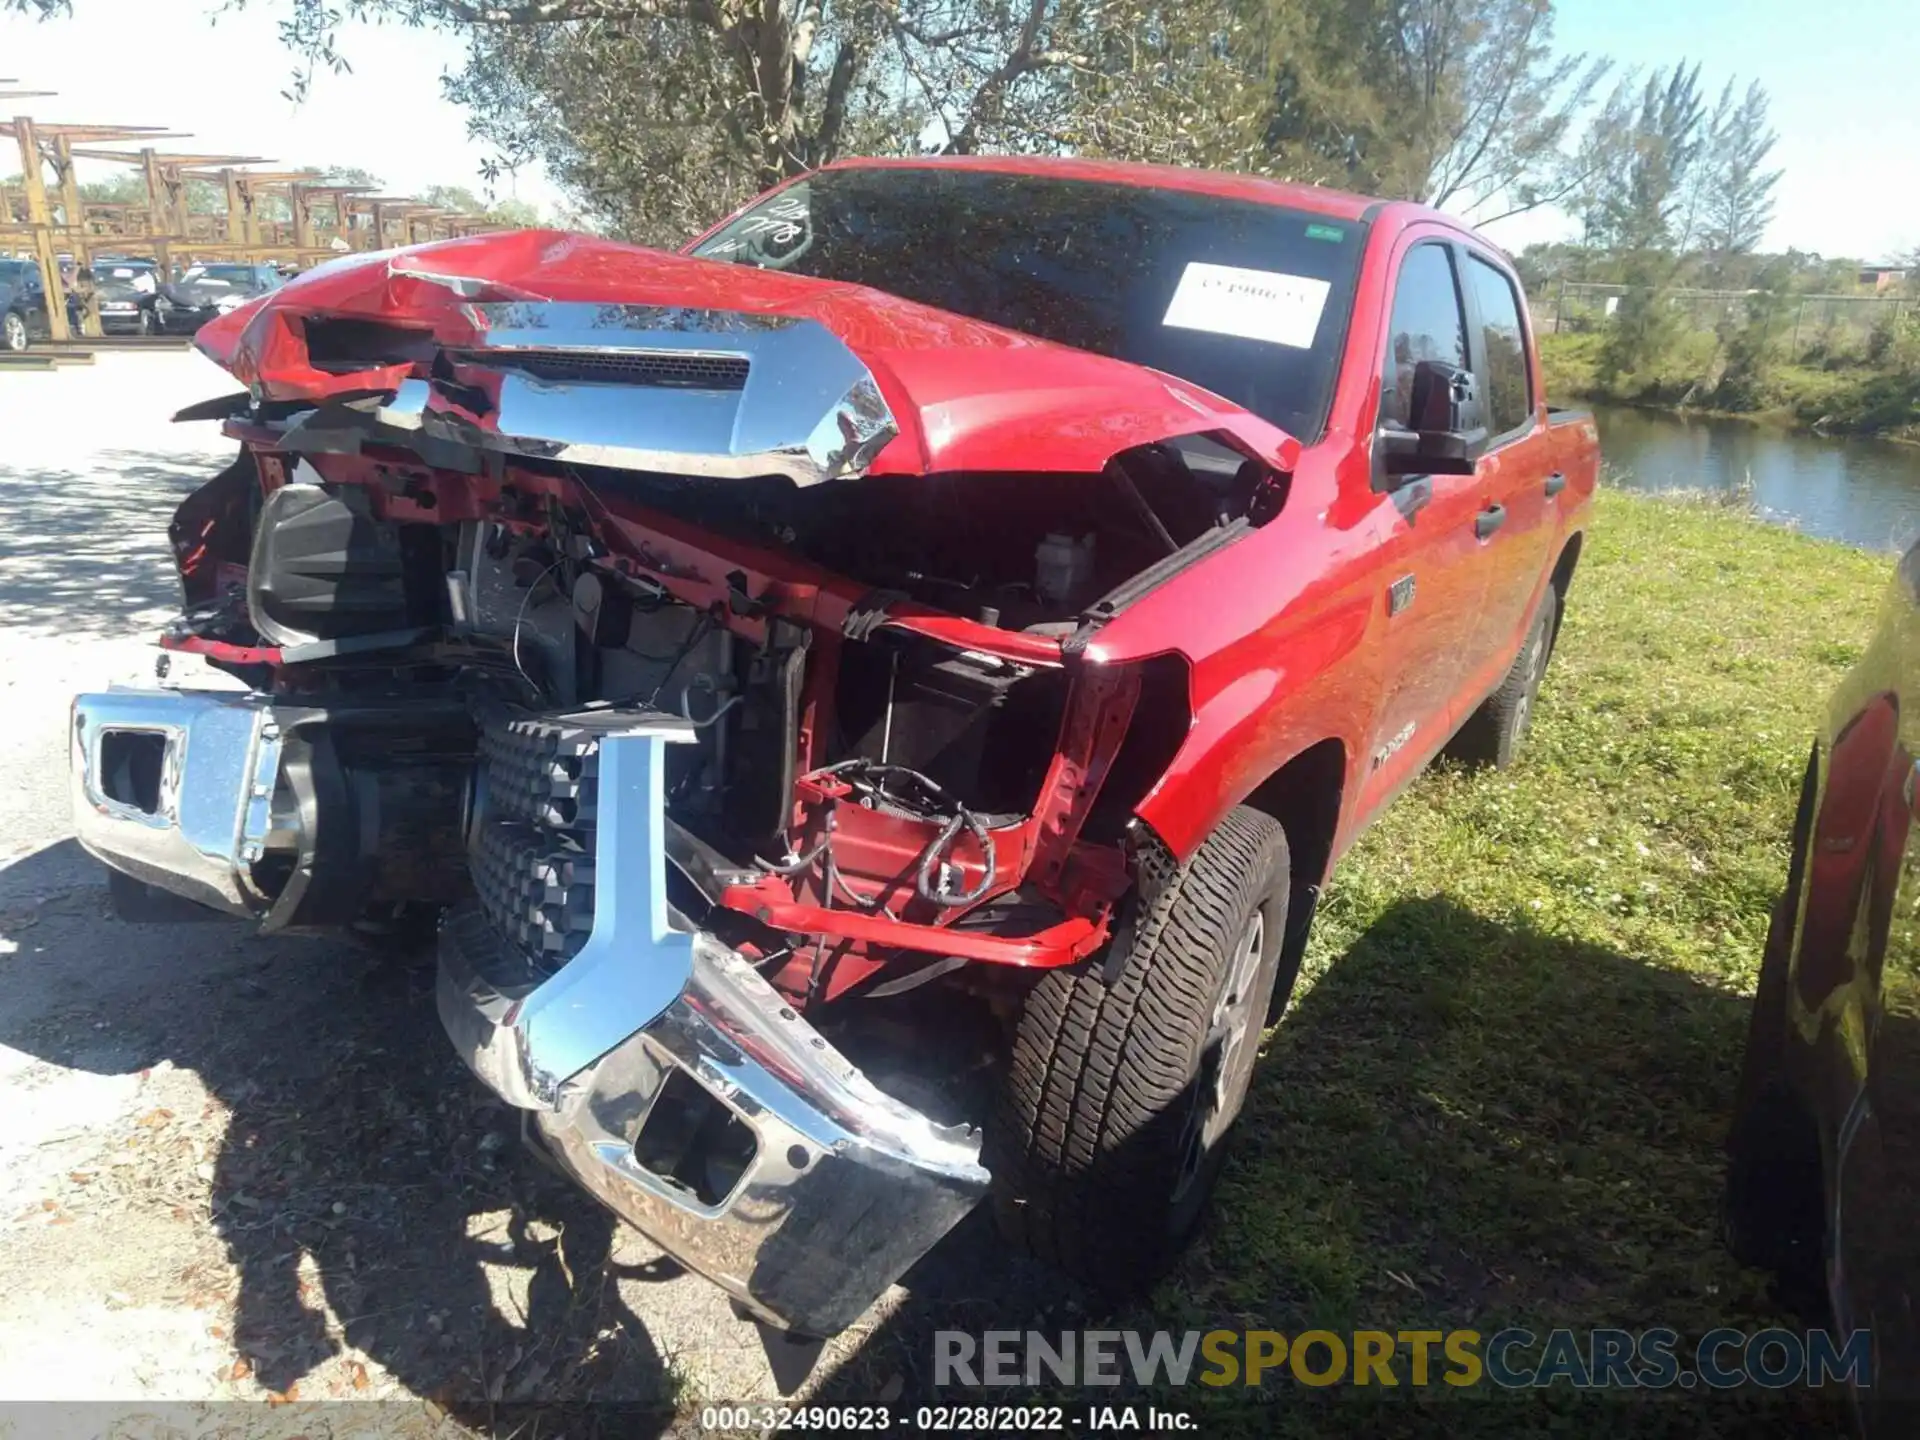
<point>906,791</point>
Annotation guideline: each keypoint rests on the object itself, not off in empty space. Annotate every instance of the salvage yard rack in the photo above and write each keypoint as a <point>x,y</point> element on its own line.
<point>47,217</point>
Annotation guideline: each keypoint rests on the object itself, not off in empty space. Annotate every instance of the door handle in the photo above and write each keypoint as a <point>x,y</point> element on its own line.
<point>1556,482</point>
<point>1488,521</point>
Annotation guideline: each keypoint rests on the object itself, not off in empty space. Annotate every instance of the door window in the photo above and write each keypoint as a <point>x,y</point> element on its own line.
<point>1504,381</point>
<point>1428,324</point>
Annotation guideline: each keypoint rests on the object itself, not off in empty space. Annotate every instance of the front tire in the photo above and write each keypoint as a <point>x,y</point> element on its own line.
<point>13,332</point>
<point>1127,1072</point>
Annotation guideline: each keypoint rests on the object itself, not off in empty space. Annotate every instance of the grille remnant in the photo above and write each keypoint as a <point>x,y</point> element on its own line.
<point>662,370</point>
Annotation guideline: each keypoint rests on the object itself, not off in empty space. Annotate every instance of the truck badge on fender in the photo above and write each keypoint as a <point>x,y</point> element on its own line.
<point>1399,595</point>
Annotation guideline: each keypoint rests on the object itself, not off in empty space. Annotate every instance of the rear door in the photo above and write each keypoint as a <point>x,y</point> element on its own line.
<point>1431,559</point>
<point>1515,475</point>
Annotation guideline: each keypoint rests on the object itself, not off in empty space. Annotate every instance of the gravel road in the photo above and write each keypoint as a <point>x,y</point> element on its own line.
<point>242,1168</point>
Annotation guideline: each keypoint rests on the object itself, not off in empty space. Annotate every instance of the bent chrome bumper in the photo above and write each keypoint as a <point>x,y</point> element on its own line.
<point>830,1188</point>
<point>656,1066</point>
<point>175,787</point>
<point>675,1084</point>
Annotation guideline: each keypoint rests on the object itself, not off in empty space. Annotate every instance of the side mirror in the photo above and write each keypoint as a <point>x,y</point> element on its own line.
<point>1446,436</point>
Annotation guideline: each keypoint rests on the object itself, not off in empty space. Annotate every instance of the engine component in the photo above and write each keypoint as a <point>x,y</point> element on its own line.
<point>977,726</point>
<point>366,814</point>
<point>323,568</point>
<point>1063,567</point>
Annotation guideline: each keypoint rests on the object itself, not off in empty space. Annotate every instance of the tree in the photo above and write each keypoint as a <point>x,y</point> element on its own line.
<point>1638,204</point>
<point>1636,207</point>
<point>1750,347</point>
<point>461,200</point>
<point>660,114</point>
<point>1459,103</point>
<point>343,175</point>
<point>1736,203</point>
<point>454,197</point>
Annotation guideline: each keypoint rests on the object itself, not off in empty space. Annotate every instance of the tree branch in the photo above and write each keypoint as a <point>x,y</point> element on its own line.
<point>990,98</point>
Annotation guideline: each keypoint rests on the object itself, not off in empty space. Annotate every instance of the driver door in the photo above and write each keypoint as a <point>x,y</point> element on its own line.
<point>1432,578</point>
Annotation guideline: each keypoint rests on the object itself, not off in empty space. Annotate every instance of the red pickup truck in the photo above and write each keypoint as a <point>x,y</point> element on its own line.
<point>866,705</point>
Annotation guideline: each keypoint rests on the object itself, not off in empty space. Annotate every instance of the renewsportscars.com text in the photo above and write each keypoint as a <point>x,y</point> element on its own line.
<point>1654,1359</point>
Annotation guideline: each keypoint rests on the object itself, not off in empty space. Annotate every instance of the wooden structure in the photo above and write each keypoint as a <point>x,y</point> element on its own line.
<point>285,217</point>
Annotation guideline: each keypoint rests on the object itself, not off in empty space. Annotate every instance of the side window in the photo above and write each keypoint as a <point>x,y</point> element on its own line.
<point>1428,324</point>
<point>1505,382</point>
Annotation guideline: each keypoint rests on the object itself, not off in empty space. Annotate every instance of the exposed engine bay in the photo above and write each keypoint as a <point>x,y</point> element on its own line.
<point>894,758</point>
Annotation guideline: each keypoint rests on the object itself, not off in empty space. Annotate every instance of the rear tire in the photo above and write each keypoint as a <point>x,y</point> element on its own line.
<point>1127,1072</point>
<point>1493,734</point>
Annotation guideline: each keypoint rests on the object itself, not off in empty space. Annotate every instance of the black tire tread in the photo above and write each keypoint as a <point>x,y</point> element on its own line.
<point>1100,1060</point>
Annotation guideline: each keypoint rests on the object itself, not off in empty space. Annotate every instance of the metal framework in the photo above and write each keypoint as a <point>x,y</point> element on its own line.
<point>283,216</point>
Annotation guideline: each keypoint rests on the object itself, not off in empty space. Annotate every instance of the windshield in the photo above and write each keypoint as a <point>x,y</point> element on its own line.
<point>15,272</point>
<point>1247,300</point>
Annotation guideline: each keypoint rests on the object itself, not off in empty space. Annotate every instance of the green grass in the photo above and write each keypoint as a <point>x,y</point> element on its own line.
<point>1501,1093</point>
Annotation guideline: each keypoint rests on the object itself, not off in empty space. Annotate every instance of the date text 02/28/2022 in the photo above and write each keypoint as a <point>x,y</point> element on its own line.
<point>946,1419</point>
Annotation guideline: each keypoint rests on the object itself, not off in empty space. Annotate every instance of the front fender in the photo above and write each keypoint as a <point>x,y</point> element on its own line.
<point>1284,695</point>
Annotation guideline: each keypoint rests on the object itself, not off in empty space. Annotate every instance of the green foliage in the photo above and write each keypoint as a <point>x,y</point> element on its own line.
<point>1643,168</point>
<point>1752,346</point>
<point>659,115</point>
<point>1502,1095</point>
<point>1644,327</point>
<point>1734,196</point>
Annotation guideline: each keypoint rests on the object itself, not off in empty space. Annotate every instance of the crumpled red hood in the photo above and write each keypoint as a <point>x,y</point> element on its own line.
<point>966,395</point>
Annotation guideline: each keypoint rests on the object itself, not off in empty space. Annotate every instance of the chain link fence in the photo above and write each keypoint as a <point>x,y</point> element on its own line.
<point>1807,325</point>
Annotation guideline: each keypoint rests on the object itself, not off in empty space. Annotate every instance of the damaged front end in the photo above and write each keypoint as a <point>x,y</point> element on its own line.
<point>754,760</point>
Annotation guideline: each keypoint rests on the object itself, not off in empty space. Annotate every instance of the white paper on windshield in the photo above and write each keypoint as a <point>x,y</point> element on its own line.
<point>1252,304</point>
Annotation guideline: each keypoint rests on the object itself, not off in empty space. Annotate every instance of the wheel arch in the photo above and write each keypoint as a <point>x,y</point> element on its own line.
<point>1560,578</point>
<point>1305,796</point>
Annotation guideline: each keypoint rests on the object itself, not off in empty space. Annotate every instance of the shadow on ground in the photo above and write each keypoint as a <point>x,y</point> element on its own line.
<point>84,551</point>
<point>361,1157</point>
<point>1459,1126</point>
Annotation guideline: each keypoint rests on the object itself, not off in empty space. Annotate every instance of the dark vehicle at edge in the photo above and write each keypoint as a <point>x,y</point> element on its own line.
<point>23,305</point>
<point>1824,1154</point>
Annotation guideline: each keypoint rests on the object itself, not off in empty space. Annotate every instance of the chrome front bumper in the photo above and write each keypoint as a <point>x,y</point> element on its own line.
<point>833,1188</point>
<point>846,1186</point>
<point>842,1186</point>
<point>175,787</point>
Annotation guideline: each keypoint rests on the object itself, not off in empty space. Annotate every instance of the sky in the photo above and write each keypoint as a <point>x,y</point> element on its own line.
<point>1844,76</point>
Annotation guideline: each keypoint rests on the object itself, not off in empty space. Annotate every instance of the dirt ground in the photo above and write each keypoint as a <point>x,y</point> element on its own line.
<point>235,1168</point>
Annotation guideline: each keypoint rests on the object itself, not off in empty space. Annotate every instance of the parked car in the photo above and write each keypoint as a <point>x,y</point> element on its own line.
<point>128,292</point>
<point>872,699</point>
<point>1824,1153</point>
<point>23,305</point>
<point>206,292</point>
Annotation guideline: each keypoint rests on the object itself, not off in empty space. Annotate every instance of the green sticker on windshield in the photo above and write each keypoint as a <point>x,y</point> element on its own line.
<point>1325,232</point>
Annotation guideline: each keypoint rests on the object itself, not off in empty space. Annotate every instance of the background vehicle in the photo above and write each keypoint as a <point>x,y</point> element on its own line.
<point>206,292</point>
<point>878,725</point>
<point>1824,1154</point>
<point>127,292</point>
<point>23,305</point>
